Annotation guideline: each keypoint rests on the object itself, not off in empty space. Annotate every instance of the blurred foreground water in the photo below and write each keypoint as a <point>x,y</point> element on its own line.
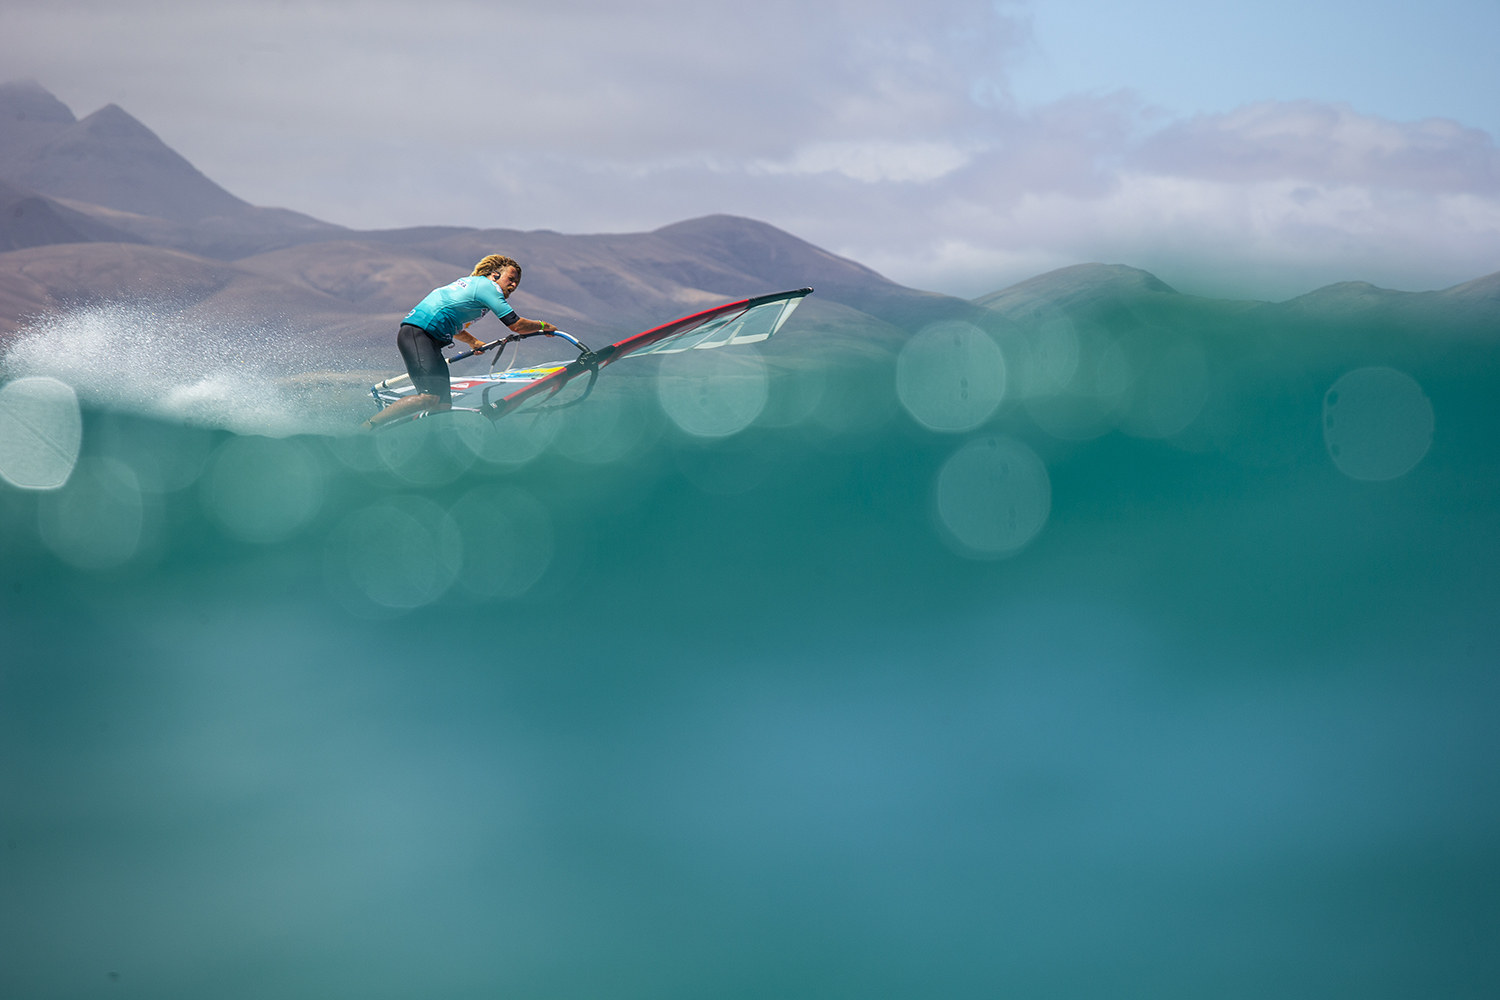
<point>1053,656</point>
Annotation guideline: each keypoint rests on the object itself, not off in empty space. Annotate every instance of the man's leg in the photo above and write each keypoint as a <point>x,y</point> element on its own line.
<point>409,405</point>
<point>429,375</point>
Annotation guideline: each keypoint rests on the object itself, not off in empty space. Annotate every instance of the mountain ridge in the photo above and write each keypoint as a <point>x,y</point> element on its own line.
<point>109,162</point>
<point>109,188</point>
<point>30,219</point>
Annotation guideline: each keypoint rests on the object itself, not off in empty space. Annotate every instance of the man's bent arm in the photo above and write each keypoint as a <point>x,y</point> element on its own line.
<point>523,325</point>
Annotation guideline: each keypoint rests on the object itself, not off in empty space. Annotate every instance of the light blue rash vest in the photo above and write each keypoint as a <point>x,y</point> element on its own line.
<point>445,310</point>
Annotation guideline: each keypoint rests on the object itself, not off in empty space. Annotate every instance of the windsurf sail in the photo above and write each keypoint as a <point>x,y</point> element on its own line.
<point>747,321</point>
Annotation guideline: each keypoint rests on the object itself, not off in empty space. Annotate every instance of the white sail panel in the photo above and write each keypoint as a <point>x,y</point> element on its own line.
<point>688,339</point>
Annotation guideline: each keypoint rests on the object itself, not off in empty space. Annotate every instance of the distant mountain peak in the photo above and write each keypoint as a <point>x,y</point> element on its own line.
<point>1348,286</point>
<point>27,100</point>
<point>1075,286</point>
<point>775,253</point>
<point>1115,276</point>
<point>114,122</point>
<point>1344,294</point>
<point>111,159</point>
<point>717,222</point>
<point>1486,289</point>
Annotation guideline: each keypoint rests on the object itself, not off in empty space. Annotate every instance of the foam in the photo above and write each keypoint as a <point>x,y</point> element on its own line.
<point>247,377</point>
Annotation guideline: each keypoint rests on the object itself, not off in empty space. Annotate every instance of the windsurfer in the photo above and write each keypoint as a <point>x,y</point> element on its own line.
<point>443,317</point>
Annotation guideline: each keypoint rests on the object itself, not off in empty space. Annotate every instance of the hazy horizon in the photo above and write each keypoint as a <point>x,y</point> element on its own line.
<point>960,148</point>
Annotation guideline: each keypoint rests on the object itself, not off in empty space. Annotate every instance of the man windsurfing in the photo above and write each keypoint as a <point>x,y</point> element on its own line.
<point>443,317</point>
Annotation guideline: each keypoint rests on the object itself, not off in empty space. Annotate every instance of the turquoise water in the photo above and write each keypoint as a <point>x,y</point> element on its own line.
<point>596,706</point>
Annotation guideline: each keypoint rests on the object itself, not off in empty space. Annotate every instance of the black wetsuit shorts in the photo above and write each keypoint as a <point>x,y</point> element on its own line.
<point>424,362</point>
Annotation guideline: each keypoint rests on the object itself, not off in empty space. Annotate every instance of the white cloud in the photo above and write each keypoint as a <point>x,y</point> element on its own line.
<point>918,162</point>
<point>1265,201</point>
<point>1315,141</point>
<point>1268,239</point>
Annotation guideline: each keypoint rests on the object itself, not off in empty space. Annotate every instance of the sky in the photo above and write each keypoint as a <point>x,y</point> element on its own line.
<point>1232,149</point>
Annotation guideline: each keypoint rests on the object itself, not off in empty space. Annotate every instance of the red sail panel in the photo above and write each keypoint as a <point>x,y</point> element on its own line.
<point>725,324</point>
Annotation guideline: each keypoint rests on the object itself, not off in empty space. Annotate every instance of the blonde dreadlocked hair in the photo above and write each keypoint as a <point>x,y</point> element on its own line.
<point>494,264</point>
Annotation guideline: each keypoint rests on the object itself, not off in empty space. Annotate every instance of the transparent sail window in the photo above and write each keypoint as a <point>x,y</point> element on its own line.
<point>688,339</point>
<point>757,324</point>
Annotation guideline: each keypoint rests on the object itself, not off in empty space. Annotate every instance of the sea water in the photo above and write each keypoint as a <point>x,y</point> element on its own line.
<point>1034,659</point>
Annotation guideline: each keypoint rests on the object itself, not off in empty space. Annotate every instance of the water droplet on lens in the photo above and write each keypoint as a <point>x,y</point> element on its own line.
<point>714,395</point>
<point>433,450</point>
<point>95,521</point>
<point>993,496</point>
<point>1385,424</point>
<point>950,376</point>
<point>41,429</point>
<point>398,554</point>
<point>793,394</point>
<point>603,430</point>
<point>1171,384</point>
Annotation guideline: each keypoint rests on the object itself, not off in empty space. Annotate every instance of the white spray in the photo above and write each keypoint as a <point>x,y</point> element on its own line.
<point>248,377</point>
